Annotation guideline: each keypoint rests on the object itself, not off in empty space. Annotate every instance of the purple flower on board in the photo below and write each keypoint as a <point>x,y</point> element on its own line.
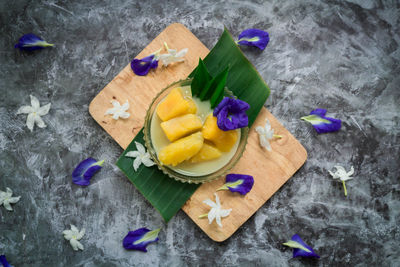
<point>140,238</point>
<point>30,42</point>
<point>300,249</point>
<point>231,114</point>
<point>321,123</point>
<point>254,37</point>
<point>240,183</point>
<point>142,66</point>
<point>85,171</point>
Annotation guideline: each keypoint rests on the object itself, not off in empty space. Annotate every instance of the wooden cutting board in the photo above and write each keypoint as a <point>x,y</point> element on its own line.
<point>269,169</point>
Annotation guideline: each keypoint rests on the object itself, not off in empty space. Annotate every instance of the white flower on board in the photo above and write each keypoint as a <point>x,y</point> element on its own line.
<point>172,56</point>
<point>118,111</point>
<point>141,156</point>
<point>216,211</point>
<point>265,134</point>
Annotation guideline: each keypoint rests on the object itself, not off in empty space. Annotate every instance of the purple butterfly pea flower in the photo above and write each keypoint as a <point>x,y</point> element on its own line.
<point>231,114</point>
<point>85,171</point>
<point>240,183</point>
<point>140,238</point>
<point>142,66</point>
<point>4,261</point>
<point>254,37</point>
<point>30,42</point>
<point>321,123</point>
<point>300,249</point>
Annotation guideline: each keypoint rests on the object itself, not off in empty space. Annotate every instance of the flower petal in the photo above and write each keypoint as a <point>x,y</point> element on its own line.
<point>321,123</point>
<point>140,238</point>
<point>147,161</point>
<point>218,220</point>
<point>4,261</point>
<point>125,106</point>
<point>320,112</point>
<point>124,115</point>
<point>211,215</point>
<point>231,114</point>
<point>182,53</point>
<point>14,200</point>
<point>85,171</point>
<point>142,66</point>
<point>132,154</point>
<point>210,203</point>
<point>44,110</point>
<point>115,104</point>
<point>31,42</point>
<point>7,205</point>
<point>25,110</point>
<point>224,213</point>
<point>68,234</point>
<point>30,121</point>
<point>254,37</point>
<point>35,103</point>
<point>301,249</point>
<point>140,148</point>
<point>39,122</point>
<point>245,185</point>
<point>75,244</point>
<point>74,229</point>
<point>217,200</point>
<point>136,163</point>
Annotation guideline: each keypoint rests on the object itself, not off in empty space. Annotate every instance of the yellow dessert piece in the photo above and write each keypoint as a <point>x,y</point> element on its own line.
<point>181,150</point>
<point>207,152</point>
<point>175,105</point>
<point>181,126</point>
<point>223,140</point>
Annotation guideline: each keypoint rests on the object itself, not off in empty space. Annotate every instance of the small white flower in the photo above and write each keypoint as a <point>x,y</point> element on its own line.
<point>265,134</point>
<point>34,112</point>
<point>172,56</point>
<point>118,111</point>
<point>216,212</point>
<point>141,156</point>
<point>6,199</point>
<point>342,175</point>
<point>74,235</point>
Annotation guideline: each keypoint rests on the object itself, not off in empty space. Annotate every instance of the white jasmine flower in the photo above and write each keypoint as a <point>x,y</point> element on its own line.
<point>216,212</point>
<point>6,199</point>
<point>341,174</point>
<point>118,111</point>
<point>34,112</point>
<point>74,235</point>
<point>265,134</point>
<point>141,156</point>
<point>172,56</point>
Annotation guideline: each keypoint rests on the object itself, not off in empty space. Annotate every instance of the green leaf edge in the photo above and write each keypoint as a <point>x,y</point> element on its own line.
<point>200,79</point>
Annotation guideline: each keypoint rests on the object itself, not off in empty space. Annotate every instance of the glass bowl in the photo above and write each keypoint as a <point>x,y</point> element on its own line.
<point>171,172</point>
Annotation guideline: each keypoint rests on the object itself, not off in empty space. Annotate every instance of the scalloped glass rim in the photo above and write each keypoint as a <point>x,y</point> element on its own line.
<point>170,172</point>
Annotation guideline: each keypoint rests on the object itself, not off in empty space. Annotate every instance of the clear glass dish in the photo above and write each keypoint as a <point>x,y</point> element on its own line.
<point>169,171</point>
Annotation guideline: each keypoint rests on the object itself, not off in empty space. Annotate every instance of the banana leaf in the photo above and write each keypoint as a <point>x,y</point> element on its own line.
<point>166,194</point>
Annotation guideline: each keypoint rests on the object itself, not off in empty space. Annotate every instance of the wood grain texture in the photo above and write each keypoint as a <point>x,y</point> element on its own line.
<point>140,90</point>
<point>269,169</point>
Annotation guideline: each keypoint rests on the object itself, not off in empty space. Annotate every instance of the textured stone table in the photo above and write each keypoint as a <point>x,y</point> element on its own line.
<point>339,55</point>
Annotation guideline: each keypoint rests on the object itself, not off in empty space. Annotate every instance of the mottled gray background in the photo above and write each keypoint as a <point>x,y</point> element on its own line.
<point>339,55</point>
